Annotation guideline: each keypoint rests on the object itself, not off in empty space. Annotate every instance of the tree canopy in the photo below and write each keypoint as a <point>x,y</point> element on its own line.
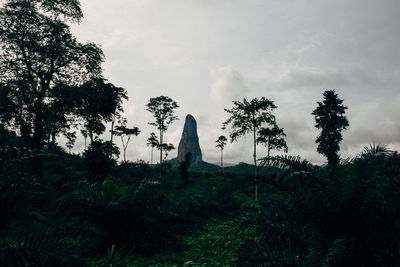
<point>330,118</point>
<point>273,138</point>
<point>163,110</point>
<point>97,101</point>
<point>38,52</point>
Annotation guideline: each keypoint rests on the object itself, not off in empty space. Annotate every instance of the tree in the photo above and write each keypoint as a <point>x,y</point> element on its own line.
<point>152,141</point>
<point>329,116</point>
<point>123,131</point>
<point>71,136</point>
<point>59,114</point>
<point>97,101</point>
<point>84,133</point>
<point>167,148</point>
<point>163,109</point>
<point>221,142</point>
<point>39,52</point>
<point>273,138</point>
<point>248,117</point>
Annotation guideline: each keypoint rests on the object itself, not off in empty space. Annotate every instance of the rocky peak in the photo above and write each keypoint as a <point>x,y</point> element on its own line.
<point>190,141</point>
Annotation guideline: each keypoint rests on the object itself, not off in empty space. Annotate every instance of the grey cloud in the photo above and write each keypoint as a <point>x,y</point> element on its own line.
<point>227,84</point>
<point>306,78</point>
<point>376,121</point>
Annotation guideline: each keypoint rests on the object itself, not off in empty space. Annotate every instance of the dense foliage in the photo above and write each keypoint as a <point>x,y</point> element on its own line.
<point>89,211</point>
<point>330,118</point>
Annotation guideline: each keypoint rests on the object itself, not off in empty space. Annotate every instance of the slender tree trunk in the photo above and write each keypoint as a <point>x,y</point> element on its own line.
<point>112,128</point>
<point>151,160</point>
<point>255,164</point>
<point>161,142</point>
<point>221,159</point>
<point>269,150</point>
<point>91,136</point>
<point>124,147</point>
<point>38,135</point>
<point>85,141</point>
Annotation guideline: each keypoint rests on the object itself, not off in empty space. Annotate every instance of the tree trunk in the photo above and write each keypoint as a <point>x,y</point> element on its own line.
<point>255,165</point>
<point>124,147</point>
<point>161,142</point>
<point>112,128</point>
<point>269,150</point>
<point>222,165</point>
<point>91,135</point>
<point>38,135</point>
<point>151,160</point>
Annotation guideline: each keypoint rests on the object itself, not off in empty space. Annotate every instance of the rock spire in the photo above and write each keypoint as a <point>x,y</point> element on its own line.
<point>190,141</point>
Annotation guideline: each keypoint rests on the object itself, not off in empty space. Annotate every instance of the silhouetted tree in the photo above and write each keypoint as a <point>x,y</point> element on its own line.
<point>248,117</point>
<point>39,52</point>
<point>330,118</point>
<point>167,148</point>
<point>221,142</point>
<point>163,109</point>
<point>71,136</point>
<point>273,138</point>
<point>123,131</point>
<point>152,141</point>
<point>97,102</point>
<point>59,113</point>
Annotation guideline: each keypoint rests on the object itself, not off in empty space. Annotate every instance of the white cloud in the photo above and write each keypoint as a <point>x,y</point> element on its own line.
<point>228,85</point>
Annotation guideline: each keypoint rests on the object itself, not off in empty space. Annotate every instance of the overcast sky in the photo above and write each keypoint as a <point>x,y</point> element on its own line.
<point>206,53</point>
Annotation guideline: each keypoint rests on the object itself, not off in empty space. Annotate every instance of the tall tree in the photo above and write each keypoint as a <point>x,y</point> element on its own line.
<point>163,109</point>
<point>38,52</point>
<point>97,101</point>
<point>330,118</point>
<point>71,137</point>
<point>123,131</point>
<point>221,142</point>
<point>273,138</point>
<point>248,117</point>
<point>152,141</point>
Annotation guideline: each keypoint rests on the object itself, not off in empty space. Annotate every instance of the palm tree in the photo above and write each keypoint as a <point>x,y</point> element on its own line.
<point>221,142</point>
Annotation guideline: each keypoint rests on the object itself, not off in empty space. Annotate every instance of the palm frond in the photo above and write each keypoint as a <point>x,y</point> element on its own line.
<point>41,249</point>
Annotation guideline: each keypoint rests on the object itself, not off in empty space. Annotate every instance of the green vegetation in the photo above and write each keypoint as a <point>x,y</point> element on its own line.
<point>88,209</point>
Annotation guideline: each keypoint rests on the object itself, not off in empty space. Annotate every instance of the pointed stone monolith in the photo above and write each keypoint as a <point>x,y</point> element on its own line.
<point>190,141</point>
